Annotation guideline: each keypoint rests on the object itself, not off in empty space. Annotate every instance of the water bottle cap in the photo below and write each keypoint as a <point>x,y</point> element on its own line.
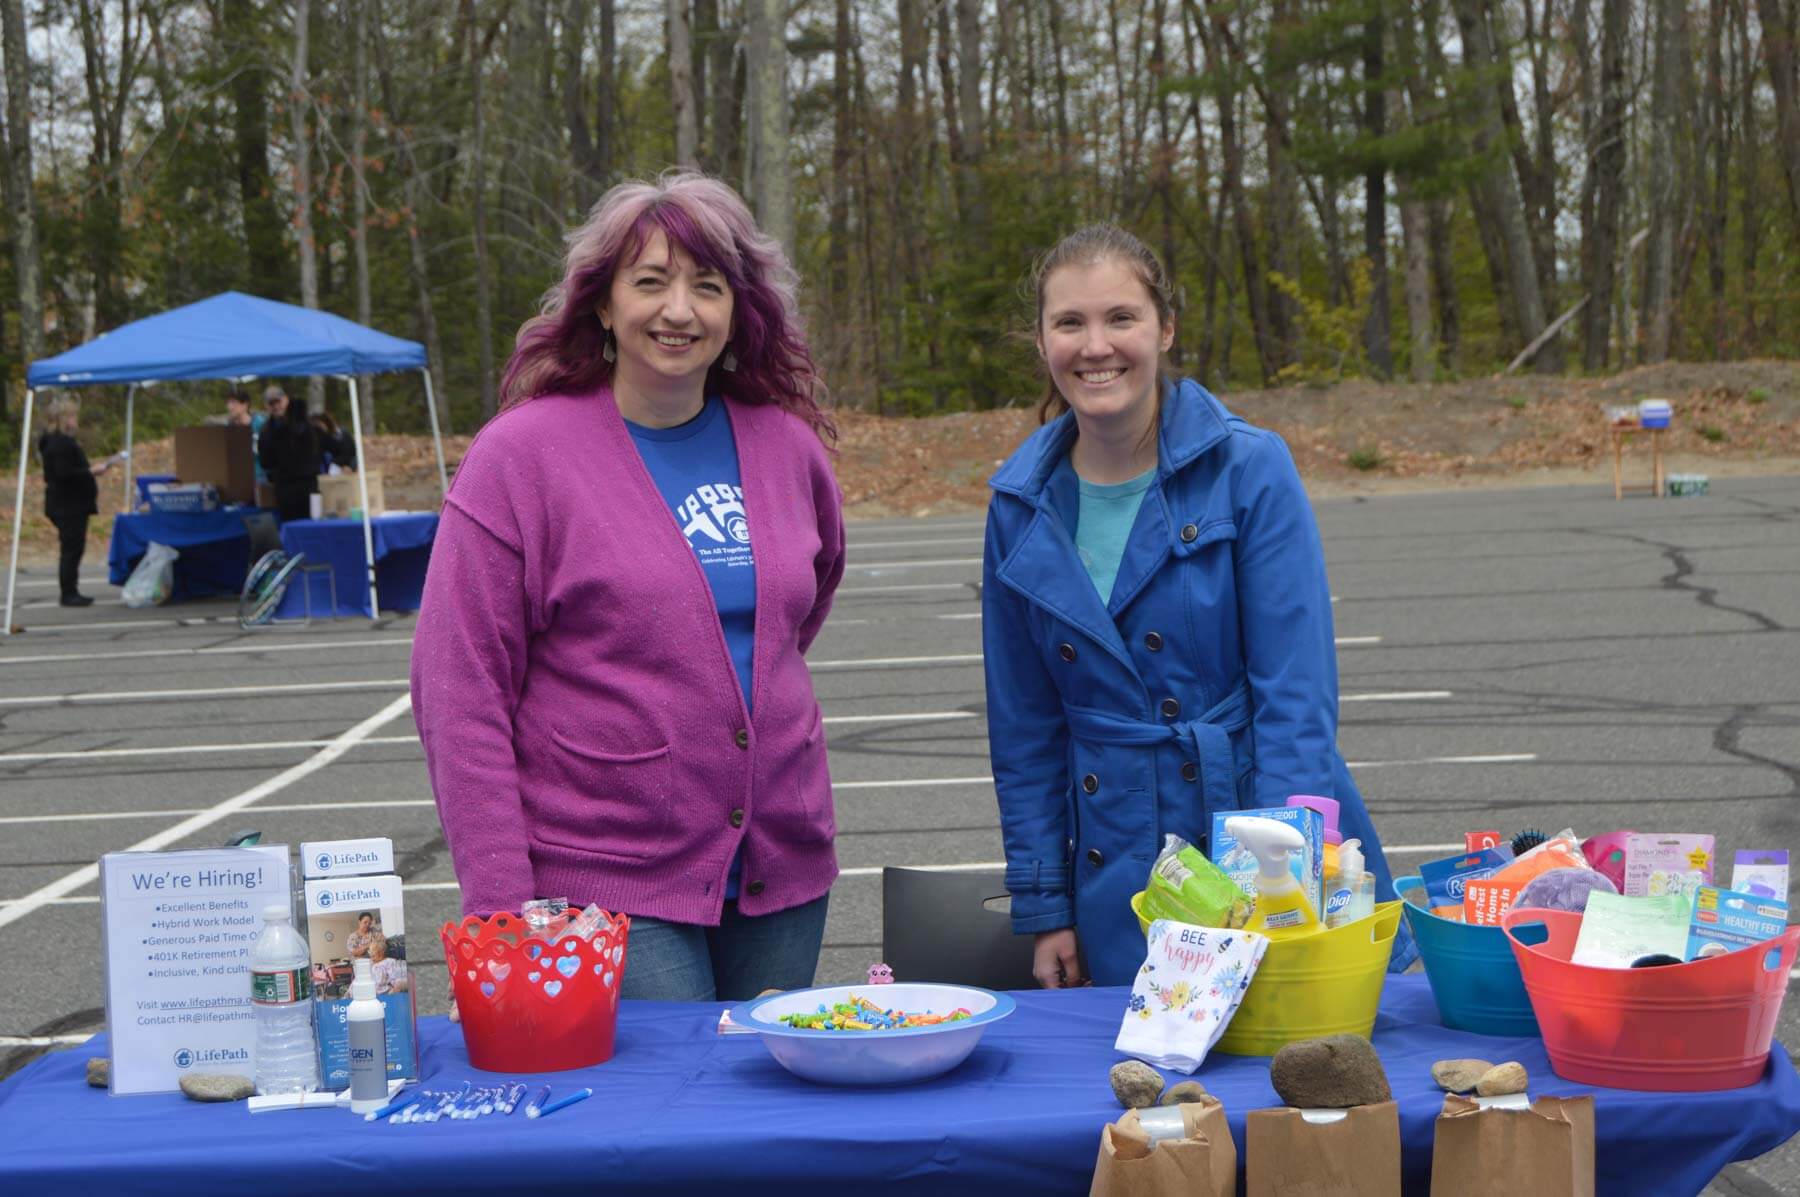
<point>363,984</point>
<point>275,913</point>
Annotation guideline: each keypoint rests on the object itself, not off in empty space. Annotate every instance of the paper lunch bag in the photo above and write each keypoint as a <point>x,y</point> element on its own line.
<point>1546,1151</point>
<point>1204,1164</point>
<point>1357,1155</point>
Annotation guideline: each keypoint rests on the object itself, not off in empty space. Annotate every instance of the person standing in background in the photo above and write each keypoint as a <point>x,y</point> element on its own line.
<point>289,451</point>
<point>70,493</point>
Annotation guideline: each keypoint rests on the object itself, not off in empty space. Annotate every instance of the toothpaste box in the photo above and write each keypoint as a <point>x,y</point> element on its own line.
<point>1725,920</point>
<point>352,917</point>
<point>1308,865</point>
<point>1667,864</point>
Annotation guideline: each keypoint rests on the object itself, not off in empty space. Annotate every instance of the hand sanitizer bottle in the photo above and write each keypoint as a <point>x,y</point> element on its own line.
<point>366,1021</point>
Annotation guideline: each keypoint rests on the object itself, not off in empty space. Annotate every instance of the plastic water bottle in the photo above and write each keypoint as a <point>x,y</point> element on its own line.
<point>281,995</point>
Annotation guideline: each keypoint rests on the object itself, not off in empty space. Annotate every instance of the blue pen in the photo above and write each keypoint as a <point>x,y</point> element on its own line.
<point>536,1105</point>
<point>396,1105</point>
<point>559,1103</point>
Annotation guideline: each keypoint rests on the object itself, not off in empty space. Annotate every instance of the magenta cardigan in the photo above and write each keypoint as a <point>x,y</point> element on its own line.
<point>583,726</point>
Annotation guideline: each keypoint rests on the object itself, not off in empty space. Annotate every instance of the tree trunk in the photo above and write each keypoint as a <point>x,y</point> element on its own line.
<point>681,84</point>
<point>1443,281</point>
<point>1778,23</point>
<point>1500,189</point>
<point>1719,126</point>
<point>588,179</point>
<point>724,141</point>
<point>1377,330</point>
<point>606,105</point>
<point>359,194</point>
<point>1750,202</point>
<point>21,192</point>
<point>299,101</point>
<point>1606,166</point>
<point>1659,253</point>
<point>771,185</point>
<point>265,241</point>
<point>484,284</point>
<point>1283,217</point>
<point>837,263</point>
<point>1065,148</point>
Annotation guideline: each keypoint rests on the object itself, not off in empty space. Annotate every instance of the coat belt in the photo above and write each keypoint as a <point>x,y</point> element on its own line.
<point>1207,739</point>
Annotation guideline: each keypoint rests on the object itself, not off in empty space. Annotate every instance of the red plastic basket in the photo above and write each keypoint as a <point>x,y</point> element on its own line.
<point>530,1004</point>
<point>1702,1025</point>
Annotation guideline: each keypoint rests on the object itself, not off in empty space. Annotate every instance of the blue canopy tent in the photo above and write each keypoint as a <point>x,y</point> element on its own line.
<point>230,336</point>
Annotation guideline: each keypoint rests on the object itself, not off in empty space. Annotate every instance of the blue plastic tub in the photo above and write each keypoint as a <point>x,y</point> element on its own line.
<point>1474,978</point>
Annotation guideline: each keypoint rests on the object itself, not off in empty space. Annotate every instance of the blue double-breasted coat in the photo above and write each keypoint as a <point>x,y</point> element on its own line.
<point>1208,682</point>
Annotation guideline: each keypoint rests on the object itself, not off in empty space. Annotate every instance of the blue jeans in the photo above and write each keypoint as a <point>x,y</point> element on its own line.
<point>733,962</point>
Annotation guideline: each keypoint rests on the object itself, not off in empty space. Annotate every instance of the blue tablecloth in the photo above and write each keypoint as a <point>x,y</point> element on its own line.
<point>682,1109</point>
<point>214,548</point>
<point>402,551</point>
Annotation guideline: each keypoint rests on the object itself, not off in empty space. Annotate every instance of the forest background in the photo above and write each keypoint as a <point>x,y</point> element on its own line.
<point>1424,190</point>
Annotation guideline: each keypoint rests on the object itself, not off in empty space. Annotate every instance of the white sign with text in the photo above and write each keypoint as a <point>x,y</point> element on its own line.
<point>179,927</point>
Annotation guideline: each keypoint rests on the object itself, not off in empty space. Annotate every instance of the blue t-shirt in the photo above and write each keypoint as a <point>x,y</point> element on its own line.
<point>1104,524</point>
<point>695,466</point>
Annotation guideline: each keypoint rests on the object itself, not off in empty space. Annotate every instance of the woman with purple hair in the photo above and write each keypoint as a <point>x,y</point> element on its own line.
<point>608,671</point>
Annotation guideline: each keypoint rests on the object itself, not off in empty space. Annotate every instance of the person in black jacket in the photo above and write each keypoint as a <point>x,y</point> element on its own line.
<point>337,446</point>
<point>70,492</point>
<point>289,451</point>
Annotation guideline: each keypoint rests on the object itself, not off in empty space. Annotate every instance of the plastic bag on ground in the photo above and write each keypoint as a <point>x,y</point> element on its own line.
<point>153,579</point>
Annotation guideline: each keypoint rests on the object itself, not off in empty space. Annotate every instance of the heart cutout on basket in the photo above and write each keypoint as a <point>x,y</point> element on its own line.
<point>568,966</point>
<point>533,976</point>
<point>487,989</point>
<point>607,980</point>
<point>552,988</point>
<point>498,969</point>
<point>534,950</point>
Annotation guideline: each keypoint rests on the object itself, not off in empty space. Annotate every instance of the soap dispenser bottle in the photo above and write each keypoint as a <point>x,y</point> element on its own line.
<point>366,1024</point>
<point>1282,911</point>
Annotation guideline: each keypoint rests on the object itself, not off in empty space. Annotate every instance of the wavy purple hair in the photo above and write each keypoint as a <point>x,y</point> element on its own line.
<point>559,349</point>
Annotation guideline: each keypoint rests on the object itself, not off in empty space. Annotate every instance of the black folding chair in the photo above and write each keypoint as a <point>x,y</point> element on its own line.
<point>952,927</point>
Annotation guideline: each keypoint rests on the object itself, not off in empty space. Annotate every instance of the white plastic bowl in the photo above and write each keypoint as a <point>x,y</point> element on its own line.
<point>874,1057</point>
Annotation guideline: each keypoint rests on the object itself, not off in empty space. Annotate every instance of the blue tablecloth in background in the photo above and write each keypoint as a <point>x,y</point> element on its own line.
<point>214,548</point>
<point>402,551</point>
<point>682,1109</point>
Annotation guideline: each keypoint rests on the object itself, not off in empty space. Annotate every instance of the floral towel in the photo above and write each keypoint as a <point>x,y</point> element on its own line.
<point>1191,983</point>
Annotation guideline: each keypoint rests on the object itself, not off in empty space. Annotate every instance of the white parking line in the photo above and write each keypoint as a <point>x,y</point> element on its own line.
<point>84,754</point>
<point>87,874</point>
<point>913,544</point>
<point>204,692</point>
<point>932,564</point>
<point>221,650</point>
<point>853,591</point>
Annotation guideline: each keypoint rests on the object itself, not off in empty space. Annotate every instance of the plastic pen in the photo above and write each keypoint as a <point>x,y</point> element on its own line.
<point>559,1103</point>
<point>535,1106</point>
<point>395,1106</point>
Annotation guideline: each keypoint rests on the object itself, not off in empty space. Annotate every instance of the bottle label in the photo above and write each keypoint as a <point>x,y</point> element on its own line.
<point>1284,918</point>
<point>281,986</point>
<point>1338,903</point>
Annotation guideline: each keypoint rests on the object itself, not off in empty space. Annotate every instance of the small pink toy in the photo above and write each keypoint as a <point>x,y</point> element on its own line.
<point>880,974</point>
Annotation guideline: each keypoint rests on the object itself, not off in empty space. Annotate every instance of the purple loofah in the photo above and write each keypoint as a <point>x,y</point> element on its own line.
<point>1564,889</point>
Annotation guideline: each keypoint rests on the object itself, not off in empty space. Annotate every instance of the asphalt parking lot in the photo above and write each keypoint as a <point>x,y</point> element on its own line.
<point>1540,658</point>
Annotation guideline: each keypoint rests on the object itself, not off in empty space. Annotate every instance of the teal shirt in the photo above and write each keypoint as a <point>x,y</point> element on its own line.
<point>1104,524</point>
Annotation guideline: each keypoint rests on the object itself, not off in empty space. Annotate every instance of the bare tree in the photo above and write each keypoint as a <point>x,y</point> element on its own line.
<point>1603,188</point>
<point>771,186</point>
<point>681,84</point>
<point>20,189</point>
<point>1779,20</point>
<point>299,106</point>
<point>1659,254</point>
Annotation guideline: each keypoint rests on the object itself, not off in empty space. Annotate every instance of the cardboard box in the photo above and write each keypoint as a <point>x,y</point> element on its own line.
<point>221,455</point>
<point>340,494</point>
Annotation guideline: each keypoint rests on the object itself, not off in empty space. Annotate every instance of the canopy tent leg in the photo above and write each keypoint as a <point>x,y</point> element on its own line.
<point>437,440</point>
<point>130,399</point>
<point>12,569</point>
<point>362,487</point>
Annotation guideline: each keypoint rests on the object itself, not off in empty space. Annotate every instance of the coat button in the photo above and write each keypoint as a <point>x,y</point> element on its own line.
<point>754,888</point>
<point>1067,651</point>
<point>1189,771</point>
<point>743,737</point>
<point>1170,708</point>
<point>1095,857</point>
<point>1190,533</point>
<point>1153,641</point>
<point>1090,783</point>
<point>737,817</point>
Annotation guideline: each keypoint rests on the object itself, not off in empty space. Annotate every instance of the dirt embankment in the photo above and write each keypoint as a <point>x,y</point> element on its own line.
<point>1357,437</point>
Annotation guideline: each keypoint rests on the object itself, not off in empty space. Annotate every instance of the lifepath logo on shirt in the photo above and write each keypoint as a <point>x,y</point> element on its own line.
<point>712,518</point>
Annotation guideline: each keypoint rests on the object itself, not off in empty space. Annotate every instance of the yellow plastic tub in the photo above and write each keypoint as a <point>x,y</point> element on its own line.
<point>1324,984</point>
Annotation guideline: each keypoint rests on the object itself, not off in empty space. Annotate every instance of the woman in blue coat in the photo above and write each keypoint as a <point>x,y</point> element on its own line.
<point>1156,621</point>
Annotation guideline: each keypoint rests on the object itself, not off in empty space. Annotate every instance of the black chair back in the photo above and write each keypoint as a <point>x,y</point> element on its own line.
<point>952,927</point>
<point>265,535</point>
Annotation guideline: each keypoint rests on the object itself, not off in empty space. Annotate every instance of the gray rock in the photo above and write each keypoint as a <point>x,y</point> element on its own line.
<point>1183,1091</point>
<point>1333,1073</point>
<point>217,1086</point>
<point>99,1071</point>
<point>1459,1076</point>
<point>1504,1078</point>
<point>1136,1084</point>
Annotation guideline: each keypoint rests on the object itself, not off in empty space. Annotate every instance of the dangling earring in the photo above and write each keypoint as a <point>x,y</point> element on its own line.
<point>728,363</point>
<point>607,351</point>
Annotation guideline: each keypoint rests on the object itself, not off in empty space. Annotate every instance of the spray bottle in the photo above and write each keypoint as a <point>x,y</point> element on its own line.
<point>1282,911</point>
<point>366,1024</point>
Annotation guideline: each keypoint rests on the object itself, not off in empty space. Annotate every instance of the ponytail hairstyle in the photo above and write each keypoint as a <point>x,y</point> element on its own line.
<point>560,350</point>
<point>1100,243</point>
